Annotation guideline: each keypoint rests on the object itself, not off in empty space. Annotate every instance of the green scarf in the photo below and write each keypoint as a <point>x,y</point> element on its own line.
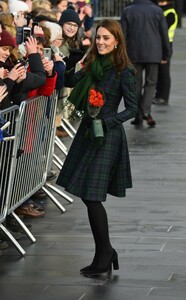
<point>79,94</point>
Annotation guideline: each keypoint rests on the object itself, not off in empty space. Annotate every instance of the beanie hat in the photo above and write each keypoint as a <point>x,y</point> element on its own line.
<point>16,6</point>
<point>69,15</point>
<point>6,39</point>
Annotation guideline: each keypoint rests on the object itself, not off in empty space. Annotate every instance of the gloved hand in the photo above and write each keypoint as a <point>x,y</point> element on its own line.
<point>75,56</point>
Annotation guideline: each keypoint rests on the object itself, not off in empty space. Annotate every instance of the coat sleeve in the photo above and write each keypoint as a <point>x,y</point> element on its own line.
<point>6,102</point>
<point>59,67</point>
<point>165,39</point>
<point>36,77</point>
<point>128,88</point>
<point>49,87</point>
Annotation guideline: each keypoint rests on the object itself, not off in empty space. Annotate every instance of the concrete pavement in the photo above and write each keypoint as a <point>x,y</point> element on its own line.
<point>147,228</point>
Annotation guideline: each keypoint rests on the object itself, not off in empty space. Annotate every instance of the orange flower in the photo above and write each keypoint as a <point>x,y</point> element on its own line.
<point>96,98</point>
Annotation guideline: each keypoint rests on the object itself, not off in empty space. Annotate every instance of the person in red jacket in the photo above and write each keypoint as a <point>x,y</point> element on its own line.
<point>51,75</point>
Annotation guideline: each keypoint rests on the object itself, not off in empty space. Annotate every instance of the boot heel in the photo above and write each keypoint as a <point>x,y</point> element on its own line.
<point>115,263</point>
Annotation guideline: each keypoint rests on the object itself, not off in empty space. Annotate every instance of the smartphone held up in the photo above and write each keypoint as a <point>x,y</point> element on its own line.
<point>47,53</point>
<point>26,34</point>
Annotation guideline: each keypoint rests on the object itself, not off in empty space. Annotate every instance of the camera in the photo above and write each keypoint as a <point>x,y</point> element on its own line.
<point>23,63</point>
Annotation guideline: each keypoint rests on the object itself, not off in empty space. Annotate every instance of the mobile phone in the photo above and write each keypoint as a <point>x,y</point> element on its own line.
<point>47,53</point>
<point>33,25</point>
<point>56,51</point>
<point>26,33</point>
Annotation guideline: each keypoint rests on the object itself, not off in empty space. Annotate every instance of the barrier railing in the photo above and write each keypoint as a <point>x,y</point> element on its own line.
<point>109,8</point>
<point>27,158</point>
<point>6,151</point>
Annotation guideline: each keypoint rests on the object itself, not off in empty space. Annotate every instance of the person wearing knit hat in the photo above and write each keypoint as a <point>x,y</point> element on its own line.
<point>6,39</point>
<point>69,15</point>
<point>15,6</point>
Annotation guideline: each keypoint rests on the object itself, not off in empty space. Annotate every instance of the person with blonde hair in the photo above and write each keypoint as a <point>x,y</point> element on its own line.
<point>45,4</point>
<point>3,7</point>
<point>7,19</point>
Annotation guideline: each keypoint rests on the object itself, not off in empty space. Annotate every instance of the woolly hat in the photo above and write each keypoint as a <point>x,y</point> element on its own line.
<point>6,39</point>
<point>16,6</point>
<point>69,15</point>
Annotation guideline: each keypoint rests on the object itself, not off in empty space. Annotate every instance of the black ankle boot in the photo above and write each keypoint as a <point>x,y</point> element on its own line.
<point>113,262</point>
<point>88,269</point>
<point>92,266</point>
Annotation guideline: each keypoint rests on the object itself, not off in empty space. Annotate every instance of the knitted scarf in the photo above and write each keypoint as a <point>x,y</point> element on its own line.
<point>79,94</point>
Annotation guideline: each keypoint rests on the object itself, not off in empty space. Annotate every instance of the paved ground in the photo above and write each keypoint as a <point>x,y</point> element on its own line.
<point>148,227</point>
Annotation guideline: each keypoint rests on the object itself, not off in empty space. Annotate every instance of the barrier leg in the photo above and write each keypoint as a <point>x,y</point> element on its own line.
<point>26,230</point>
<point>69,125</point>
<point>58,159</point>
<point>60,147</point>
<point>67,130</point>
<point>56,202</point>
<point>13,240</point>
<point>59,192</point>
<point>61,143</point>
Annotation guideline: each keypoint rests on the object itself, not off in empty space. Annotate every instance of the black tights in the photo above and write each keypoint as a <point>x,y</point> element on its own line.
<point>99,225</point>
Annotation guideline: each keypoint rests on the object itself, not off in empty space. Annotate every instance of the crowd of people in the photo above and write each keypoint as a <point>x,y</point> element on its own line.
<point>55,45</point>
<point>38,44</point>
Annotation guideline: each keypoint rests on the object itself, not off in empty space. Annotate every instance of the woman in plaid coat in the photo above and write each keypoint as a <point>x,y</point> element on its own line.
<point>91,170</point>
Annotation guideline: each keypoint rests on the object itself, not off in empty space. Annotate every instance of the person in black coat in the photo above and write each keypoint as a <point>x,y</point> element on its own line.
<point>146,32</point>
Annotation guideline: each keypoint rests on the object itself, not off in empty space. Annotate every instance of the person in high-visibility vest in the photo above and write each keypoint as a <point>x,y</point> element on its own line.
<point>164,78</point>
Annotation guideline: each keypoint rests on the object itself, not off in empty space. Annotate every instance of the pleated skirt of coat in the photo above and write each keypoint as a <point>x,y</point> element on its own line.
<point>91,173</point>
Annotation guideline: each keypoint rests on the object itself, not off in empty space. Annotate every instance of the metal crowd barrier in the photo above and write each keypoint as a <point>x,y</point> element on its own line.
<point>109,8</point>
<point>6,151</point>
<point>28,158</point>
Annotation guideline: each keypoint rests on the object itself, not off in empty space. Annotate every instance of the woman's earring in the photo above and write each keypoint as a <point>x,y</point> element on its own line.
<point>115,46</point>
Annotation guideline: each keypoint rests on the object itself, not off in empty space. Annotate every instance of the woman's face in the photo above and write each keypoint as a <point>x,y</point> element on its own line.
<point>70,29</point>
<point>62,5</point>
<point>4,53</point>
<point>58,42</point>
<point>105,41</point>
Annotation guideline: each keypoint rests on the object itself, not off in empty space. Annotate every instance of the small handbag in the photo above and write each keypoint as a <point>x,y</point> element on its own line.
<point>96,132</point>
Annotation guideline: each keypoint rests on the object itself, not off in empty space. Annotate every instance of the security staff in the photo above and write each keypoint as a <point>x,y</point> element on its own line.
<point>164,79</point>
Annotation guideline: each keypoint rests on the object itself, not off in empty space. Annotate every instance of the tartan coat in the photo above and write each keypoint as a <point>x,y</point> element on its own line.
<point>90,173</point>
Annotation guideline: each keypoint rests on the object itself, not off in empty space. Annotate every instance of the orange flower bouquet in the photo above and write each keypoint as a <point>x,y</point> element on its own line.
<point>96,100</point>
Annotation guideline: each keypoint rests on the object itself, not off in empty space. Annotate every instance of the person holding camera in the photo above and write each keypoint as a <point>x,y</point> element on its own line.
<point>10,74</point>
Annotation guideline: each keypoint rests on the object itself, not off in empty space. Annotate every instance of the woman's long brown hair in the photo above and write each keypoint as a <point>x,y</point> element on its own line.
<point>119,55</point>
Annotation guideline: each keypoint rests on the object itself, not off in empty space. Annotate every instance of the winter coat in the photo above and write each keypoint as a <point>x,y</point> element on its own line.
<point>6,102</point>
<point>35,79</point>
<point>91,173</point>
<point>45,90</point>
<point>146,32</point>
